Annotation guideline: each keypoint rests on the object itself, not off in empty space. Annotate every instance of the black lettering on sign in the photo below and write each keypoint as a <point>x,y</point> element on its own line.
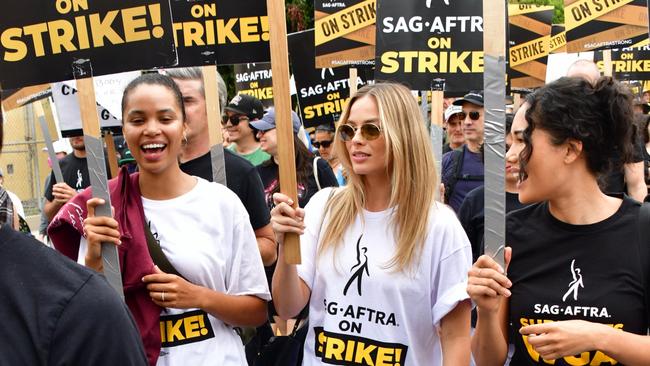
<point>193,326</point>
<point>344,349</point>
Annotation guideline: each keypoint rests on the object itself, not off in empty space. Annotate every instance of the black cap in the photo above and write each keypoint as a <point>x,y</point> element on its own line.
<point>473,97</point>
<point>247,105</point>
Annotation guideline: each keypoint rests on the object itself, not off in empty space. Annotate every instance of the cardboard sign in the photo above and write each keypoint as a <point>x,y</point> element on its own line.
<point>256,80</point>
<point>420,41</point>
<point>69,113</point>
<point>40,40</point>
<point>557,44</point>
<point>530,35</point>
<point>344,32</point>
<point>605,24</point>
<point>322,93</point>
<point>221,31</point>
<point>628,63</point>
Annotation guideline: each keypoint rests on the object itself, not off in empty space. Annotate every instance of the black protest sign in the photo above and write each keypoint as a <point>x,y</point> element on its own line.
<point>557,44</point>
<point>221,31</point>
<point>255,79</point>
<point>530,34</point>
<point>420,41</point>
<point>322,93</point>
<point>628,63</point>
<point>344,32</point>
<point>15,98</point>
<point>605,24</point>
<point>40,40</point>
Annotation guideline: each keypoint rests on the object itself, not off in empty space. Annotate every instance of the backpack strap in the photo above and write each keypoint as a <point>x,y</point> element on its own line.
<point>457,157</point>
<point>644,253</point>
<point>316,159</point>
<point>157,255</point>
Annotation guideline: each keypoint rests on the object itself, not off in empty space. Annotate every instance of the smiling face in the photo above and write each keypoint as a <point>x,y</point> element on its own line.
<point>268,141</point>
<point>368,157</point>
<point>241,131</point>
<point>153,127</point>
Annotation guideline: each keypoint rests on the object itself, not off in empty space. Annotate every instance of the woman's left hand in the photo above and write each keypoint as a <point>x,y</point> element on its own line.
<point>563,338</point>
<point>172,291</point>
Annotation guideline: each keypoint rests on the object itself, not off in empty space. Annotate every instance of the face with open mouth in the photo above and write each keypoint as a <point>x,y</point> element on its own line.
<point>153,127</point>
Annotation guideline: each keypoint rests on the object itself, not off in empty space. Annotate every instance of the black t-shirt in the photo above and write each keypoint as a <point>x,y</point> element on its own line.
<point>614,181</point>
<point>56,312</point>
<point>269,174</point>
<point>75,174</point>
<point>241,178</point>
<point>561,272</point>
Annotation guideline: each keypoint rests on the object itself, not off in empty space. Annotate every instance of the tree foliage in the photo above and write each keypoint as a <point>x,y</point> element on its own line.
<point>558,17</point>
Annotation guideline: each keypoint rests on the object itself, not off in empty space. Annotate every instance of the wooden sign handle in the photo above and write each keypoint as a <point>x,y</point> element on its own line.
<point>284,128</point>
<point>112,153</point>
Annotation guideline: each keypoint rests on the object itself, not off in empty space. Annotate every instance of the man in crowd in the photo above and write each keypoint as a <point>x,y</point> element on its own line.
<point>60,152</point>
<point>454,127</point>
<point>626,179</point>
<point>242,110</point>
<point>324,142</point>
<point>75,178</point>
<point>241,176</point>
<point>462,169</point>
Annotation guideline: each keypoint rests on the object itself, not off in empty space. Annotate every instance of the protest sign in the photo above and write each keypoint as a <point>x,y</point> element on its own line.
<point>14,98</point>
<point>322,93</point>
<point>557,44</point>
<point>47,37</point>
<point>221,31</point>
<point>627,63</point>
<point>419,41</point>
<point>255,79</point>
<point>605,24</point>
<point>344,32</point>
<point>68,111</point>
<point>530,34</point>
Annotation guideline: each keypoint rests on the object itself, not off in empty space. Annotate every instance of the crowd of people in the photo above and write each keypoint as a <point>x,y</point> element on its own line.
<point>388,274</point>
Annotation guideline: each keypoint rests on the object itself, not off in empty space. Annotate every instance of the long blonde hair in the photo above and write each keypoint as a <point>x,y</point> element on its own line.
<point>409,163</point>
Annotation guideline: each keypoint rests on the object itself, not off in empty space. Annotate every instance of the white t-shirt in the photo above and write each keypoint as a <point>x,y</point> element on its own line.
<point>362,313</point>
<point>207,236</point>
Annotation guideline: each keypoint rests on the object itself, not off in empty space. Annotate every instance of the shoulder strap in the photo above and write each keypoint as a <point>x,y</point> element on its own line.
<point>457,165</point>
<point>316,172</point>
<point>156,253</point>
<point>644,251</point>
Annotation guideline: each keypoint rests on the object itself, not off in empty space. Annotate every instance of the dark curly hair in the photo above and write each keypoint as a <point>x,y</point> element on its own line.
<point>600,116</point>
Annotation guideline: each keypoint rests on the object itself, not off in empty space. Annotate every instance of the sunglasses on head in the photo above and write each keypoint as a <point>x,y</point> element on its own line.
<point>369,131</point>
<point>234,119</point>
<point>473,115</point>
<point>325,144</point>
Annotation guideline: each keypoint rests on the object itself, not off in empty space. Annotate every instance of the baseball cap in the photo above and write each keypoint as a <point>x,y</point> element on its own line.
<point>126,158</point>
<point>451,110</point>
<point>473,97</point>
<point>247,105</point>
<point>328,127</point>
<point>59,146</point>
<point>268,121</point>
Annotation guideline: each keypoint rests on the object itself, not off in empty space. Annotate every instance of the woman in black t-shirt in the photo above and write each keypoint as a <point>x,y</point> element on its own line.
<point>576,288</point>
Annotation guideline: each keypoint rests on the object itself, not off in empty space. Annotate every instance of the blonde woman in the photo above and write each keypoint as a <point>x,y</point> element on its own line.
<point>383,264</point>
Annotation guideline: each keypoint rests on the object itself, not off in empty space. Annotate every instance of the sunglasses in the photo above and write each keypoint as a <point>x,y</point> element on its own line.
<point>473,115</point>
<point>325,144</point>
<point>234,119</point>
<point>369,131</point>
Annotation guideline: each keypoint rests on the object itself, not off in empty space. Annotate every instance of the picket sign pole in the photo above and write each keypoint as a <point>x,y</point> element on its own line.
<point>435,129</point>
<point>494,46</point>
<point>284,129</point>
<point>56,168</point>
<point>111,152</point>
<point>607,63</point>
<point>213,110</point>
<point>97,167</point>
<point>352,81</point>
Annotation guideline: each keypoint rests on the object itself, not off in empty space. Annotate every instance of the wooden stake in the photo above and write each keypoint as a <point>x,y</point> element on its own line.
<point>352,81</point>
<point>284,129</point>
<point>213,109</point>
<point>607,62</point>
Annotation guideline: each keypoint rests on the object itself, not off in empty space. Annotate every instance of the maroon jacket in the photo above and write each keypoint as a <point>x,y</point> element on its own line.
<point>66,230</point>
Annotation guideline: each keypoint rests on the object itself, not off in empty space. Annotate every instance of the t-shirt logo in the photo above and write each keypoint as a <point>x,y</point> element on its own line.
<point>575,284</point>
<point>358,269</point>
<point>80,180</point>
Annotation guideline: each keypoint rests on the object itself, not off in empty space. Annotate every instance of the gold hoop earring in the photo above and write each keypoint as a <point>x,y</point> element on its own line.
<point>184,138</point>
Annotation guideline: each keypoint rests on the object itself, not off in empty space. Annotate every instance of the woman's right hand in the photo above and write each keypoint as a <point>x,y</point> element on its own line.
<point>285,218</point>
<point>487,282</point>
<point>98,230</point>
